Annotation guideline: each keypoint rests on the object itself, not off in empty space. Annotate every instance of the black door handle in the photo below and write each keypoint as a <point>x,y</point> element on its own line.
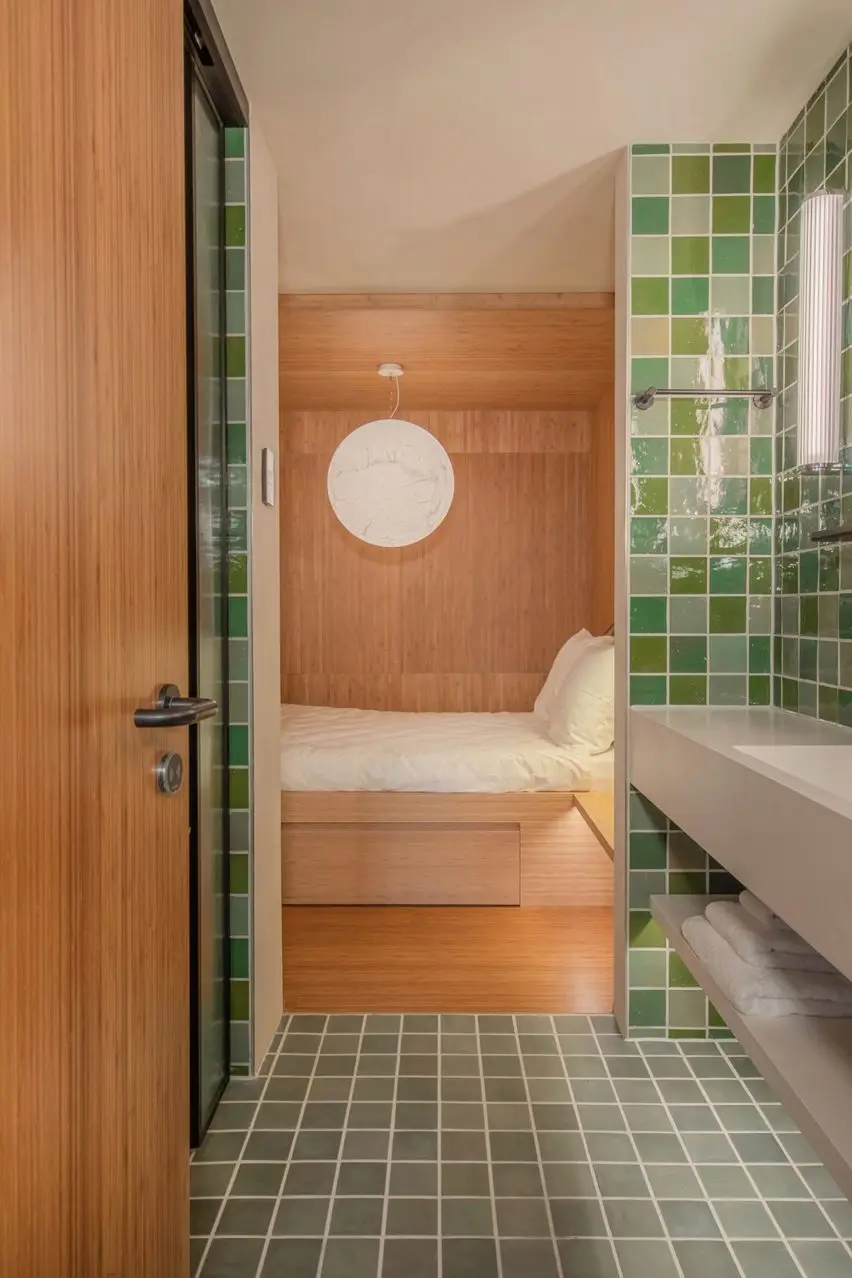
<point>174,711</point>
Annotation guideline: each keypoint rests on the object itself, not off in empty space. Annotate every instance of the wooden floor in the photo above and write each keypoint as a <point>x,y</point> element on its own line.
<point>436,959</point>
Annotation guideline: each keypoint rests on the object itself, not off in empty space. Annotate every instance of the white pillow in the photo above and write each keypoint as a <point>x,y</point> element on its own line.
<point>583,714</point>
<point>565,658</point>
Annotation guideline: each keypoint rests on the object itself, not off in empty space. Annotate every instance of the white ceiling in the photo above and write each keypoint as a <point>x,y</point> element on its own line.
<point>470,145</point>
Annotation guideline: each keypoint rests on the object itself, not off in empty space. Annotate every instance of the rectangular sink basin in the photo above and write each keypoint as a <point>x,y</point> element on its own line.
<point>827,766</point>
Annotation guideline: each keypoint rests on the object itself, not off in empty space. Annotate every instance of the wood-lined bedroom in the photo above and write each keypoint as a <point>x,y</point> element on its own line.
<point>518,390</point>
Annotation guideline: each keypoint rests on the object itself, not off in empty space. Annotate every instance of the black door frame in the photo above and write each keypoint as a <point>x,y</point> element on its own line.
<point>208,64</point>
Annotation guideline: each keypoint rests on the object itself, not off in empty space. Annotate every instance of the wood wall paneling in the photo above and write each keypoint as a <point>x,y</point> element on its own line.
<point>471,618</point>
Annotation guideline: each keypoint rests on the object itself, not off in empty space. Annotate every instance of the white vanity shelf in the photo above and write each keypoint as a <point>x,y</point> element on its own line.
<point>807,1060</point>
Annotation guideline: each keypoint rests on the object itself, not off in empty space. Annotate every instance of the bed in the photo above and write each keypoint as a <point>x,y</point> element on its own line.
<point>385,807</point>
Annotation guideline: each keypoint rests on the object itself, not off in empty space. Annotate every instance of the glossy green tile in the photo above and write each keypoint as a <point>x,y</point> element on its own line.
<point>759,690</point>
<point>731,254</point>
<point>729,535</point>
<point>688,495</point>
<point>690,215</point>
<point>650,148</point>
<point>647,969</point>
<point>845,616</point>
<point>763,295</point>
<point>728,654</point>
<point>760,576</point>
<point>647,850</point>
<point>691,174</point>
<point>648,372</point>
<point>651,175</point>
<point>689,336</point>
<point>727,614</point>
<point>649,575</point>
<point>760,536</point>
<point>727,575</point>
<point>809,572</point>
<point>828,703</point>
<point>688,654</point>
<point>688,615</point>
<point>731,148</point>
<point>686,456</point>
<point>238,745</point>
<point>649,296</point>
<point>238,787</point>
<point>647,654</point>
<point>809,615</point>
<point>235,225</point>
<point>760,451</point>
<point>649,335</point>
<point>760,496</point>
<point>648,615</point>
<point>236,444</point>
<point>731,174</point>
<point>760,654</point>
<point>729,496</point>
<point>829,568</point>
<point>731,214</point>
<point>235,143</point>
<point>689,416</point>
<point>763,174</point>
<point>737,373</point>
<point>237,617</point>
<point>649,255</point>
<point>690,295</point>
<point>645,932</point>
<point>734,333</point>
<point>763,214</point>
<point>647,690</point>
<point>690,255</point>
<point>679,974</point>
<point>688,575</point>
<point>650,215</point>
<point>687,535</point>
<point>730,295</point>
<point>688,690</point>
<point>647,1008</point>
<point>650,456</point>
<point>649,495</point>
<point>648,536</point>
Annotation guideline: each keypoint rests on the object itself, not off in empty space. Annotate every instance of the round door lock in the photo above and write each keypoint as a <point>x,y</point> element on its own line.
<point>169,773</point>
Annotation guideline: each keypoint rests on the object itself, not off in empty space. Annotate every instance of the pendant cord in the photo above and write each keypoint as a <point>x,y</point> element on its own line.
<point>395,408</point>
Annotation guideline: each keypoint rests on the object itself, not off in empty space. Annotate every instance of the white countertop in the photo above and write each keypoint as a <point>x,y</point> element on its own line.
<point>789,748</point>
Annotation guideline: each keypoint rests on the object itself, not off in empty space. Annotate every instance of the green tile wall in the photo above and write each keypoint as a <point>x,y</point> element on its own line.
<point>813,605</point>
<point>702,312</point>
<point>239,638</point>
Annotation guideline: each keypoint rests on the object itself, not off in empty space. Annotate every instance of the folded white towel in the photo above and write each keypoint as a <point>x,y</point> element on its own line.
<point>756,991</point>
<point>773,946</point>
<point>755,906</point>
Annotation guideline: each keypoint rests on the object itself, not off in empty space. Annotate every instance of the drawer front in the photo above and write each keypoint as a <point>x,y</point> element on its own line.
<point>400,864</point>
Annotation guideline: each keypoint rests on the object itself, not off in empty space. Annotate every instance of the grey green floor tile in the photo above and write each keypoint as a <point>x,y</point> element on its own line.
<point>525,1147</point>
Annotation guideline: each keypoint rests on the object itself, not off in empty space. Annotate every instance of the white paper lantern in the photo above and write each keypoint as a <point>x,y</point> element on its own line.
<point>390,483</point>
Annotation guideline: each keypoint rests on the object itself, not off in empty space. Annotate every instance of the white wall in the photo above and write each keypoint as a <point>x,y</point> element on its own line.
<point>268,994</point>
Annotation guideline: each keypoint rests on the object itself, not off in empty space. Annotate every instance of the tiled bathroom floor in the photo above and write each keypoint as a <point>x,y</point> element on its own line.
<point>508,1147</point>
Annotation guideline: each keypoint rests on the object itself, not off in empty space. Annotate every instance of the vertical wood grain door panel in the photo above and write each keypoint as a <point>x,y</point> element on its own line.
<point>93,534</point>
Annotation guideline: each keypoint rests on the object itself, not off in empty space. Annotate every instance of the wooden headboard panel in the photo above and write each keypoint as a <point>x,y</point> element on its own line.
<point>471,618</point>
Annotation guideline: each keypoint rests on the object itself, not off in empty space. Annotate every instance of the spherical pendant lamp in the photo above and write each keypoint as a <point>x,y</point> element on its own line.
<point>390,482</point>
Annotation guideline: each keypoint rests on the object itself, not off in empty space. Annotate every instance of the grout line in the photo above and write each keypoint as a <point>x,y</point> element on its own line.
<point>238,1161</point>
<point>484,1095</point>
<point>391,1134</point>
<point>289,1158</point>
<point>333,1195</point>
<point>632,1140</point>
<point>591,1165</point>
<point>534,1130</point>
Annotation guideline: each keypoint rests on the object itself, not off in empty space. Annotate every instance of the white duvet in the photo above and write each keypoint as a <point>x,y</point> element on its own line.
<point>327,749</point>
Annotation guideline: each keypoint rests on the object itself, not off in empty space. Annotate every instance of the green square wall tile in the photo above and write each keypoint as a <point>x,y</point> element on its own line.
<point>763,295</point>
<point>763,215</point>
<point>647,969</point>
<point>650,215</point>
<point>650,296</point>
<point>237,617</point>
<point>235,225</point>
<point>647,654</point>
<point>235,356</point>
<point>649,575</point>
<point>731,148</point>
<point>647,690</point>
<point>688,575</point>
<point>649,496</point>
<point>759,690</point>
<point>809,572</point>
<point>690,254</point>
<point>691,174</point>
<point>760,536</point>
<point>239,787</point>
<point>650,148</point>
<point>731,174</point>
<point>760,654</point>
<point>731,254</point>
<point>760,456</point>
<point>648,615</point>
<point>733,331</point>
<point>236,444</point>
<point>737,373</point>
<point>809,615</point>
<point>728,535</point>
<point>686,456</point>
<point>235,268</point>
<point>650,456</point>
<point>235,143</point>
<point>680,976</point>
<point>845,616</point>
<point>689,337</point>
<point>731,214</point>
<point>238,872</point>
<point>237,572</point>
<point>727,576</point>
<point>829,568</point>
<point>647,850</point>
<point>645,932</point>
<point>760,496</point>
<point>648,372</point>
<point>238,745</point>
<point>647,1008</point>
<point>727,614</point>
<point>689,416</point>
<point>763,174</point>
<point>728,654</point>
<point>688,690</point>
<point>240,958</point>
<point>688,654</point>
<point>690,296</point>
<point>240,1000</point>
<point>729,497</point>
<point>643,815</point>
<point>760,576</point>
<point>651,175</point>
<point>648,536</point>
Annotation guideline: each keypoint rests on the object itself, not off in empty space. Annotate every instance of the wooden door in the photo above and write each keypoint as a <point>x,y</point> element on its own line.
<point>93,589</point>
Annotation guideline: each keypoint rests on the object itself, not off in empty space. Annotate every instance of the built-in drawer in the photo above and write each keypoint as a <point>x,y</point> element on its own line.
<point>400,864</point>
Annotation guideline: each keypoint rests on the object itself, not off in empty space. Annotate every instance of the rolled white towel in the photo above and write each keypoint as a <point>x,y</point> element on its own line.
<point>756,991</point>
<point>774,946</point>
<point>755,906</point>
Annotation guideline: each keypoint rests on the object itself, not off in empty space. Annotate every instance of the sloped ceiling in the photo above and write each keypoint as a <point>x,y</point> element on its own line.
<point>470,145</point>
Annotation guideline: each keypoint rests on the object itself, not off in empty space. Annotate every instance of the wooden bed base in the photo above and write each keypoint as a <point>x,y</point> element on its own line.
<point>364,848</point>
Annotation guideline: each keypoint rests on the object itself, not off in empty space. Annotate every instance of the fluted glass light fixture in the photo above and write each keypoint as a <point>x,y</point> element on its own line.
<point>820,333</point>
